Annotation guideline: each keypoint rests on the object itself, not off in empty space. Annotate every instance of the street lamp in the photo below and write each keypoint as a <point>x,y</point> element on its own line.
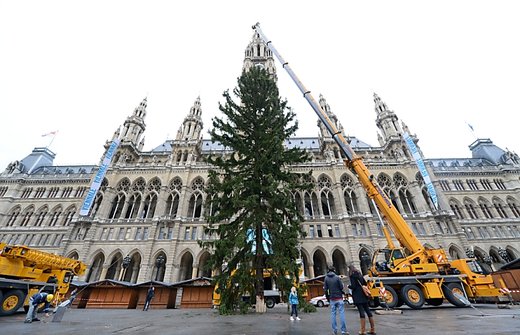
<point>159,263</point>
<point>470,253</point>
<point>503,254</point>
<point>126,263</point>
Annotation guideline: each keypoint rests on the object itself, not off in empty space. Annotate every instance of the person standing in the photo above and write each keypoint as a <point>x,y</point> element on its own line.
<point>361,300</point>
<point>293,301</point>
<point>149,296</point>
<point>34,301</point>
<point>334,291</point>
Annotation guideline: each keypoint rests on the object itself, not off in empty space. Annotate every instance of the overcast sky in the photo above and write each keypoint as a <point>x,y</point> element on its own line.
<point>81,67</point>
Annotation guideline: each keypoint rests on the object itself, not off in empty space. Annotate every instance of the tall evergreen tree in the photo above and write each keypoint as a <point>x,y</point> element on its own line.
<point>252,211</point>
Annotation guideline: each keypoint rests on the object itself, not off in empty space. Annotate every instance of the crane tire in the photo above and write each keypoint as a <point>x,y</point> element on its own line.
<point>449,291</point>
<point>412,296</point>
<point>11,301</point>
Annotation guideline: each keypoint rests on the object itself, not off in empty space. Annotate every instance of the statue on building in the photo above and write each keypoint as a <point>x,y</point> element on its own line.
<point>14,167</point>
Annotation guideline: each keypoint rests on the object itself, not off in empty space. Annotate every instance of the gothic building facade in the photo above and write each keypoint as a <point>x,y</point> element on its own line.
<point>148,214</point>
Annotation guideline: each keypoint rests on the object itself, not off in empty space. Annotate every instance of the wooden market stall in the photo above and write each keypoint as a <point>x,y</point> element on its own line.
<point>196,293</point>
<point>164,297</point>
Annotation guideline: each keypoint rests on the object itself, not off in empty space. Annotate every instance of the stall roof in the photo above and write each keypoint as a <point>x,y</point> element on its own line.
<point>511,265</point>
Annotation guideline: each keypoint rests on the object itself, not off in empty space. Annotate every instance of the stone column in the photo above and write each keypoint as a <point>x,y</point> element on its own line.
<point>104,271</point>
<point>311,270</point>
<point>106,205</point>
<point>194,271</point>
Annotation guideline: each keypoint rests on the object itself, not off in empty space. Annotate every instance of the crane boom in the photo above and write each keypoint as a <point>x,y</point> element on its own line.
<point>43,260</point>
<point>391,215</point>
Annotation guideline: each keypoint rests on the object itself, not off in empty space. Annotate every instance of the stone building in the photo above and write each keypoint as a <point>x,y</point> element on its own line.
<point>149,211</point>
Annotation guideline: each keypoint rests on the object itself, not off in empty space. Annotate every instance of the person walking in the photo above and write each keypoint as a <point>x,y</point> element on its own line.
<point>34,301</point>
<point>361,300</point>
<point>334,291</point>
<point>293,301</point>
<point>149,296</point>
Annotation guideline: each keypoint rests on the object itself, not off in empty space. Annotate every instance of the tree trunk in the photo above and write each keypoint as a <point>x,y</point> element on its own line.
<point>260,306</point>
<point>259,272</point>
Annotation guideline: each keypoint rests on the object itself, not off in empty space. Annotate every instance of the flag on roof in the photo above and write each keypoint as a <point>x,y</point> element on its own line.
<point>51,133</point>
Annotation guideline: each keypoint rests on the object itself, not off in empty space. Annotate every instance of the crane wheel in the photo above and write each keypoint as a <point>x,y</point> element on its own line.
<point>11,301</point>
<point>449,291</point>
<point>412,296</point>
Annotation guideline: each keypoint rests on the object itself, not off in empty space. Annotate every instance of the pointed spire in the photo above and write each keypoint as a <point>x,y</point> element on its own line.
<point>326,108</point>
<point>380,106</point>
<point>324,105</point>
<point>195,109</point>
<point>191,128</point>
<point>387,121</point>
<point>140,111</point>
<point>134,125</point>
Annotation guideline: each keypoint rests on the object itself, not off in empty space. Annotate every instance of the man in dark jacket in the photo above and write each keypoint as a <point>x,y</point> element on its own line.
<point>334,291</point>
<point>34,301</point>
<point>149,296</point>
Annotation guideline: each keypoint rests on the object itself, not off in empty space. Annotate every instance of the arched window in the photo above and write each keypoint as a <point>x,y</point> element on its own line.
<point>485,208</point>
<point>298,201</point>
<point>123,185</point>
<point>117,206</point>
<point>186,268</point>
<point>327,203</point>
<point>350,201</point>
<point>69,215</point>
<point>96,268</point>
<point>407,201</point>
<point>133,206</point>
<point>154,185</point>
<point>195,206</point>
<point>470,208</point>
<point>311,204</point>
<point>40,216</point>
<point>26,216</point>
<point>55,214</point>
<point>348,194</point>
<point>159,267</point>
<point>139,185</point>
<point>13,216</point>
<point>172,205</point>
<point>150,202</point>
<point>514,207</point>
<point>114,270</point>
<point>456,208</point>
<point>499,206</point>
<point>97,203</point>
<point>195,203</point>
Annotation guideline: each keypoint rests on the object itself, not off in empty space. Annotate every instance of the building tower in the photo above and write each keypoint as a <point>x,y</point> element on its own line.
<point>390,137</point>
<point>187,144</point>
<point>130,135</point>
<point>134,125</point>
<point>258,54</point>
<point>329,148</point>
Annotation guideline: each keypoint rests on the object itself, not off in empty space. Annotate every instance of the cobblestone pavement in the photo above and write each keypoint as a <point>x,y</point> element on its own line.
<point>446,320</point>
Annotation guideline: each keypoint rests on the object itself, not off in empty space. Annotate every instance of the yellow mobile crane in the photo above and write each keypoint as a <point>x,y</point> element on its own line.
<point>413,274</point>
<point>25,271</point>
